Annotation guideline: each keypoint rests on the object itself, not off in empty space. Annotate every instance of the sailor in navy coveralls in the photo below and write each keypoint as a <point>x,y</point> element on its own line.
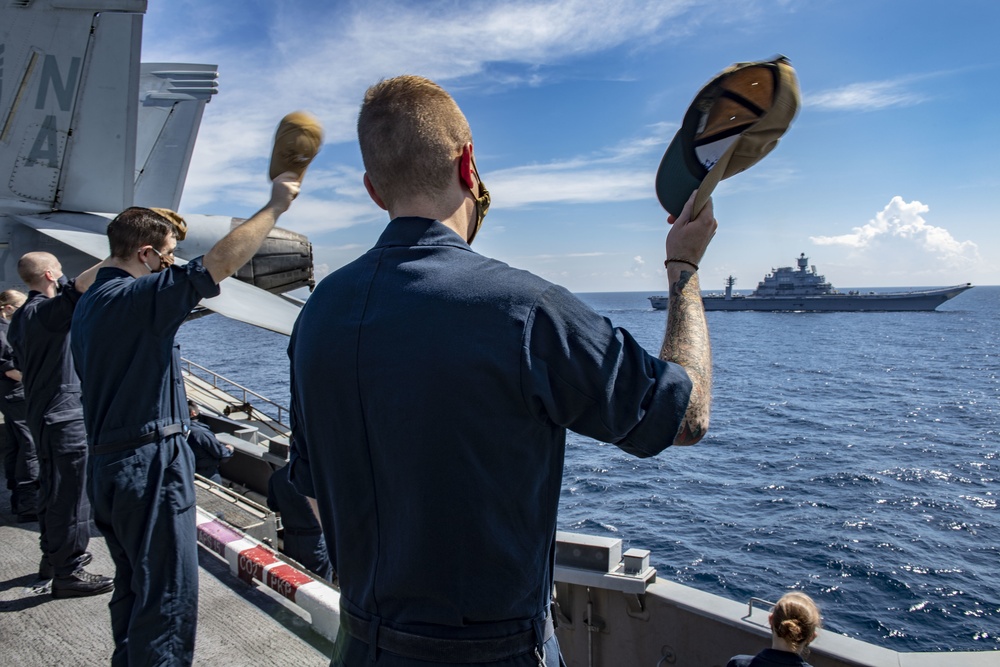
<point>21,457</point>
<point>40,336</point>
<point>303,536</point>
<point>432,388</point>
<point>135,408</point>
<point>208,451</point>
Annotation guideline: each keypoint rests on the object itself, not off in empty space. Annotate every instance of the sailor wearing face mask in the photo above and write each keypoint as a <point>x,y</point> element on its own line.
<point>135,407</point>
<point>40,337</point>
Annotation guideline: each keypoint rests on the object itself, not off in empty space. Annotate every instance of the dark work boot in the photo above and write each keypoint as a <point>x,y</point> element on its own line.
<point>45,570</point>
<point>80,584</point>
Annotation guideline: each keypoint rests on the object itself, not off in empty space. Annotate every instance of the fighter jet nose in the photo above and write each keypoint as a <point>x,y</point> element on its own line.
<point>283,263</point>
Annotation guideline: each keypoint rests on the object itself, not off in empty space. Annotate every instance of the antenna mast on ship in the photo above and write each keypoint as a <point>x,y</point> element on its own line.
<point>803,262</point>
<point>730,281</point>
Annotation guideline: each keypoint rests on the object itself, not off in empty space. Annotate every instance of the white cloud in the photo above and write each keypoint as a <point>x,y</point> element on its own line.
<point>637,269</point>
<point>322,57</point>
<point>277,57</point>
<point>866,96</point>
<point>347,48</point>
<point>901,227</point>
<point>621,173</point>
<point>524,186</point>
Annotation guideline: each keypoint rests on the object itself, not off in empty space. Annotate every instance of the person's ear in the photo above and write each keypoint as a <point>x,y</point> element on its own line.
<point>374,195</point>
<point>465,170</point>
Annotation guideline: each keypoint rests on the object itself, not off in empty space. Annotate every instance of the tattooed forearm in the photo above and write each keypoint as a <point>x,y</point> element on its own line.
<point>686,343</point>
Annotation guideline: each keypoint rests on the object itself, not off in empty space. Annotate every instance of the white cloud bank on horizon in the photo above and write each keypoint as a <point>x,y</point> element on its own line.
<point>902,223</point>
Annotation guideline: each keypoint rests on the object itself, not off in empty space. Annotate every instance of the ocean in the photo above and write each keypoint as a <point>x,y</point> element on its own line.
<point>855,456</point>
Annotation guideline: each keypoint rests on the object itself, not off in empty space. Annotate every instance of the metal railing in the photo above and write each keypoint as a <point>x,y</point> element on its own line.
<point>215,378</point>
<point>761,602</point>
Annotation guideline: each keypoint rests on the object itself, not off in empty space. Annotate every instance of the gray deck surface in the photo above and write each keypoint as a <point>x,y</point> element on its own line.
<point>238,624</point>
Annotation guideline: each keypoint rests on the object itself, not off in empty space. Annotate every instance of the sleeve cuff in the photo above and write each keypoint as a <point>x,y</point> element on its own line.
<point>201,279</point>
<point>664,414</point>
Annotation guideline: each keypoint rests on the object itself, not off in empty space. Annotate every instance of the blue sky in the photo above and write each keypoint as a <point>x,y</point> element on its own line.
<point>886,178</point>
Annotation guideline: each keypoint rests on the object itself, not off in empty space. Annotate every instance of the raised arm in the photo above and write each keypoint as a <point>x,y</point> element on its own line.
<point>686,339</point>
<point>237,247</point>
<point>86,279</point>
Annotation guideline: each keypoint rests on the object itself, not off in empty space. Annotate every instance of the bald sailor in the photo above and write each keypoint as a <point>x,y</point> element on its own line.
<point>40,337</point>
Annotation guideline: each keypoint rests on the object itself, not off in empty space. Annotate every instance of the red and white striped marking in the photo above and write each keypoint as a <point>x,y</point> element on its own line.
<point>252,561</point>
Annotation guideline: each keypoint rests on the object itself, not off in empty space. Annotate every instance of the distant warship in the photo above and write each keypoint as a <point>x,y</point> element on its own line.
<point>802,289</point>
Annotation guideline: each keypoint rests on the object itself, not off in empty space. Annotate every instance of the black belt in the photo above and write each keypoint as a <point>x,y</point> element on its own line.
<point>448,651</point>
<point>134,443</point>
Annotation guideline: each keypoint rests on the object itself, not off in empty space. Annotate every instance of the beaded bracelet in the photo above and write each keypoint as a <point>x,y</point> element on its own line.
<point>678,259</point>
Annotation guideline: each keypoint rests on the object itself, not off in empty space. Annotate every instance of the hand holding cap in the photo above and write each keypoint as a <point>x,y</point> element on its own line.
<point>297,141</point>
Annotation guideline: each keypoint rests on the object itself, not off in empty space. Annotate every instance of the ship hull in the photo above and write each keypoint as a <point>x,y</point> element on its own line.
<point>923,300</point>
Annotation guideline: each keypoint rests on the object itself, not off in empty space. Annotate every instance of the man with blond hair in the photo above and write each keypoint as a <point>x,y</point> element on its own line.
<point>432,388</point>
<point>39,335</point>
<point>20,458</point>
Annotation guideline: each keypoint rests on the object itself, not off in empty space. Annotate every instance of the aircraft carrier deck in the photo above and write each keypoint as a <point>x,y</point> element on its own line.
<point>238,624</point>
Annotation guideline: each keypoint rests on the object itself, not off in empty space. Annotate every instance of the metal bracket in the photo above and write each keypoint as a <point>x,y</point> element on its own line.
<point>562,603</point>
<point>636,605</point>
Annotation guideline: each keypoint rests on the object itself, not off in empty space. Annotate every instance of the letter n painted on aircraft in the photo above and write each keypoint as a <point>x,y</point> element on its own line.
<point>63,89</point>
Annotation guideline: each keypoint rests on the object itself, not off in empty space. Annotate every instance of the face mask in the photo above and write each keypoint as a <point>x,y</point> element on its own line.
<point>165,261</point>
<point>482,203</point>
<point>61,283</point>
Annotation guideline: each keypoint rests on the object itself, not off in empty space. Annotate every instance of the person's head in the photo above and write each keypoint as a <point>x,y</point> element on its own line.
<point>795,620</point>
<point>411,133</point>
<point>193,410</point>
<point>144,235</point>
<point>10,301</point>
<point>39,270</point>
<point>416,144</point>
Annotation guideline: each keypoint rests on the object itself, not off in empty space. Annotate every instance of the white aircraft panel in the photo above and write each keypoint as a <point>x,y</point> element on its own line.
<point>238,300</point>
<point>83,231</point>
<point>99,168</point>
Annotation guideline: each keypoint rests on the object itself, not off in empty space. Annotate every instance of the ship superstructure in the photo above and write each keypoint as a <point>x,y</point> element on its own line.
<point>787,281</point>
<point>802,288</point>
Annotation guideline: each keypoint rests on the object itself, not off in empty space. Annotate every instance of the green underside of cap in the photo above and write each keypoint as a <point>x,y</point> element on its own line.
<point>674,180</point>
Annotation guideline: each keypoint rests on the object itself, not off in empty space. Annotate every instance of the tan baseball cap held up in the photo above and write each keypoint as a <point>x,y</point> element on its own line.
<point>175,219</point>
<point>733,122</point>
<point>296,142</point>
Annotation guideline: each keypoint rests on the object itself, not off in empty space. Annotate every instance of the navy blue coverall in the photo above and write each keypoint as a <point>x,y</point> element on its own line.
<point>141,468</point>
<point>21,457</point>
<point>208,451</point>
<point>303,536</point>
<point>431,392</point>
<point>40,336</point>
<point>769,657</point>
